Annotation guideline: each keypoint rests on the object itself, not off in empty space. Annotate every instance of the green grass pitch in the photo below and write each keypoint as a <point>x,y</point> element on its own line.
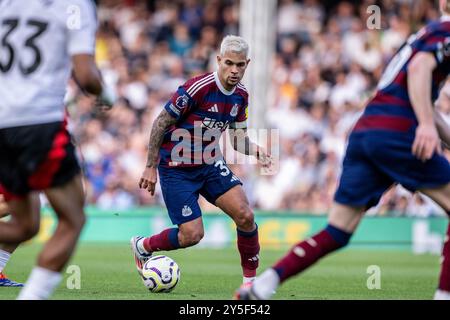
<point>108,272</point>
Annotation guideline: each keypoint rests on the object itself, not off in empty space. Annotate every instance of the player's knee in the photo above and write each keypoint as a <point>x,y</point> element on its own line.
<point>74,221</point>
<point>245,219</point>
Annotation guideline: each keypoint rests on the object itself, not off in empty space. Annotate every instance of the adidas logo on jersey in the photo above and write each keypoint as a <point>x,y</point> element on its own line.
<point>214,108</point>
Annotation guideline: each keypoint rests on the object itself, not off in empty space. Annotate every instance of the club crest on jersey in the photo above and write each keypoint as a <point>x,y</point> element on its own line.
<point>234,110</point>
<point>182,102</point>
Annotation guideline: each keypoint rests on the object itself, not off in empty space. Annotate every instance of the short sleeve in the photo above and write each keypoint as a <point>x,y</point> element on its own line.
<point>180,104</point>
<point>81,25</point>
<point>436,42</point>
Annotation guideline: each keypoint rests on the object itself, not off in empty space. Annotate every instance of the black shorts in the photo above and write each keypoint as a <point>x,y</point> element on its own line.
<point>36,157</point>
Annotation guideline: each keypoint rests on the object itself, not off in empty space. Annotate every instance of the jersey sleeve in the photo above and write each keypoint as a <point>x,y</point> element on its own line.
<point>438,44</point>
<point>180,104</point>
<point>81,26</point>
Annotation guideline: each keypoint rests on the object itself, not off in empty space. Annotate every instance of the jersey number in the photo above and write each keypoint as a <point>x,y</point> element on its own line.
<point>39,28</point>
<point>224,171</point>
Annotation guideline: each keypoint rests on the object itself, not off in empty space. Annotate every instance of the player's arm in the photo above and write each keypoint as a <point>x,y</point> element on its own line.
<point>160,125</point>
<point>81,48</point>
<point>86,74</point>
<point>443,129</point>
<point>89,79</point>
<point>420,71</point>
<point>443,101</point>
<point>242,143</point>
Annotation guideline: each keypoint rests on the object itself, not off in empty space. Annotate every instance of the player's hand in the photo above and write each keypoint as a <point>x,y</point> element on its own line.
<point>426,142</point>
<point>148,180</point>
<point>105,101</point>
<point>264,158</point>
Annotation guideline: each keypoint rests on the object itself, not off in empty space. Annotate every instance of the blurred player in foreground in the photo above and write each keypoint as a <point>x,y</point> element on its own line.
<point>396,140</point>
<point>199,112</point>
<point>43,42</point>
<point>6,250</point>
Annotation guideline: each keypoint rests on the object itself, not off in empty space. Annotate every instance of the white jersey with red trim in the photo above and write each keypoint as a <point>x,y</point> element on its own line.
<point>37,40</point>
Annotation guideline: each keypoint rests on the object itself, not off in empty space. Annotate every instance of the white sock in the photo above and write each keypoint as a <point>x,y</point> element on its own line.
<point>442,295</point>
<point>266,284</point>
<point>40,285</point>
<point>248,279</point>
<point>4,258</point>
<point>140,246</point>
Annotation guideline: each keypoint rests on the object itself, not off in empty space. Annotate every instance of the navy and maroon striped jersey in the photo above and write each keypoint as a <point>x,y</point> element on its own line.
<point>390,109</point>
<point>203,109</point>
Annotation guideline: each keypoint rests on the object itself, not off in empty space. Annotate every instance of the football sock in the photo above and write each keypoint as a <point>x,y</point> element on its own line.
<point>248,279</point>
<point>444,279</point>
<point>40,285</point>
<point>166,240</point>
<point>4,258</point>
<point>307,252</point>
<point>248,246</point>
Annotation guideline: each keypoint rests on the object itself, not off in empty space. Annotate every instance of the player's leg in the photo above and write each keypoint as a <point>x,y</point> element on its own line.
<point>24,222</point>
<point>6,250</point>
<point>67,201</point>
<point>343,221</point>
<point>180,192</point>
<point>442,197</point>
<point>431,178</point>
<point>186,235</point>
<point>235,204</point>
<point>23,225</point>
<point>361,186</point>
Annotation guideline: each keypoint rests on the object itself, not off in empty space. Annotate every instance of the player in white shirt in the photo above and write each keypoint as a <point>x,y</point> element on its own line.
<point>41,43</point>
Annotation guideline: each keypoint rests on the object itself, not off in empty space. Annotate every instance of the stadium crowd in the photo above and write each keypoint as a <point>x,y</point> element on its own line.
<point>326,66</point>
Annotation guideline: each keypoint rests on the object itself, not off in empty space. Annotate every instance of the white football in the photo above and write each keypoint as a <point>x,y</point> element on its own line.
<point>160,274</point>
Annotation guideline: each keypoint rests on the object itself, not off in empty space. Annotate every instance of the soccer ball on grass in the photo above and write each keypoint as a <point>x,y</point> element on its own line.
<point>160,274</point>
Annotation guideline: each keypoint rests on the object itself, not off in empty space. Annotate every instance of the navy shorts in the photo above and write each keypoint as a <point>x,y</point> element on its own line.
<point>181,188</point>
<point>376,160</point>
